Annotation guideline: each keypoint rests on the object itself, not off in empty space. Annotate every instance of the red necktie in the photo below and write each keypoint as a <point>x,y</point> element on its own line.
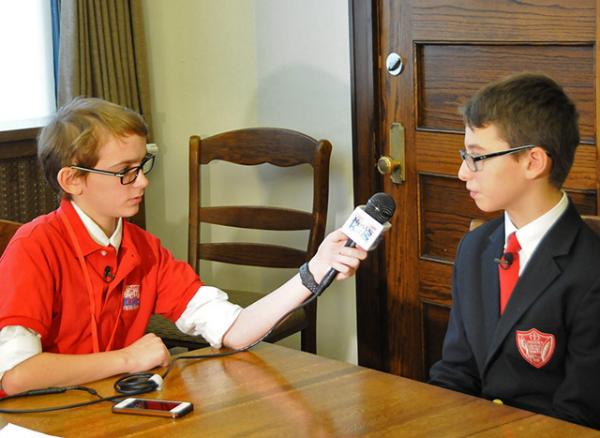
<point>508,268</point>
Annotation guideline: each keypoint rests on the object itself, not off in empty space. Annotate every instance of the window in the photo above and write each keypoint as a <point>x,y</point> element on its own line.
<point>26,77</point>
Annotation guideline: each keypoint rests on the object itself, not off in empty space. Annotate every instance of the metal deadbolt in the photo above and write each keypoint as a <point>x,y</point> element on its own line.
<point>394,64</point>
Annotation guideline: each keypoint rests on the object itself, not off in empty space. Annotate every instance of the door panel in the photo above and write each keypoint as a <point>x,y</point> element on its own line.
<point>499,20</point>
<point>451,49</point>
<point>448,74</point>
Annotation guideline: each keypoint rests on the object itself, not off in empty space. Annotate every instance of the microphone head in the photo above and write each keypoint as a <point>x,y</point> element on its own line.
<point>380,207</point>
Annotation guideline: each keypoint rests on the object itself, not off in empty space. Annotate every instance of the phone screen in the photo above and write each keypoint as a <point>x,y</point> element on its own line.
<point>163,408</point>
<point>157,405</point>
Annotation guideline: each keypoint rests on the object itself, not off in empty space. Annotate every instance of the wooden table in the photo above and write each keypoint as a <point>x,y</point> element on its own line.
<point>275,391</point>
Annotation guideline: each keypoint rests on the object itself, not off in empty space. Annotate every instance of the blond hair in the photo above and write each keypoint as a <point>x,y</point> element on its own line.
<point>78,130</point>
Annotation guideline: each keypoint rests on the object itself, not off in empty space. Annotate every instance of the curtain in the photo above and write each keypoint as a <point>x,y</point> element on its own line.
<point>55,11</point>
<point>102,53</point>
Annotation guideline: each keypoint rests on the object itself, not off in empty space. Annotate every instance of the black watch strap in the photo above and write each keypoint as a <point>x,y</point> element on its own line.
<point>308,280</point>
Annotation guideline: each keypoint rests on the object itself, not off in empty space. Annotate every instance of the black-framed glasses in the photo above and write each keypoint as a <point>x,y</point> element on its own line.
<point>474,161</point>
<point>129,175</point>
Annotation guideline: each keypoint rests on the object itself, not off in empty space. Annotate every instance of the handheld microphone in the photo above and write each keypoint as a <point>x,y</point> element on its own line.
<point>365,228</point>
<point>505,260</point>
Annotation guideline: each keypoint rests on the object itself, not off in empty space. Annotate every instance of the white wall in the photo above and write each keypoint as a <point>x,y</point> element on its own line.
<point>216,66</point>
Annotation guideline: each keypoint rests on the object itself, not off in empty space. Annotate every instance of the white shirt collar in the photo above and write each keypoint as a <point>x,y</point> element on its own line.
<point>96,232</point>
<point>530,235</point>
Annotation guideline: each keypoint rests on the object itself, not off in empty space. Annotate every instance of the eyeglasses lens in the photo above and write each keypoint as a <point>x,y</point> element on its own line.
<point>468,159</point>
<point>146,166</point>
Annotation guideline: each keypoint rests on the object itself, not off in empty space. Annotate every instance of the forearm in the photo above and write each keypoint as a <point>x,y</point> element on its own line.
<point>51,369</point>
<point>255,320</point>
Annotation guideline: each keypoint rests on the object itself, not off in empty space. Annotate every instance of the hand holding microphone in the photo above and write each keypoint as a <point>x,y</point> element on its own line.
<point>364,229</point>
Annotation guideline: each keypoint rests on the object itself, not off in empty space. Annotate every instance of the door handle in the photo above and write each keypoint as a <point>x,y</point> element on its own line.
<point>394,164</point>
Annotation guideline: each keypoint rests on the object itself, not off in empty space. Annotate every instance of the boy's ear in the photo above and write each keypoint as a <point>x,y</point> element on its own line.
<point>539,164</point>
<point>70,181</point>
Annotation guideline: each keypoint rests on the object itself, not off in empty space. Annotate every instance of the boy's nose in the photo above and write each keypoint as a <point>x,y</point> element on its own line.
<point>141,180</point>
<point>464,173</point>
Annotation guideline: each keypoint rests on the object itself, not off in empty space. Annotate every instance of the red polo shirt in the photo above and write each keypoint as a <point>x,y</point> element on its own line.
<point>43,287</point>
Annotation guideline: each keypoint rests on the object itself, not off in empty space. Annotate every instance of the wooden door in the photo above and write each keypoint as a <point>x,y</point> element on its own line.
<point>450,49</point>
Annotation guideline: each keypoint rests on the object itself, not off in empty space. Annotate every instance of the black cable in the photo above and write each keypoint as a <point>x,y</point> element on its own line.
<point>135,383</point>
<point>55,390</point>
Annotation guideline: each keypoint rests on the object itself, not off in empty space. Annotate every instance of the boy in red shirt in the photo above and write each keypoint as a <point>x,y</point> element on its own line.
<point>79,284</point>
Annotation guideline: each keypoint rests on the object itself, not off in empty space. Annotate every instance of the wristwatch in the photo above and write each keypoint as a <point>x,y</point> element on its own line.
<point>308,280</point>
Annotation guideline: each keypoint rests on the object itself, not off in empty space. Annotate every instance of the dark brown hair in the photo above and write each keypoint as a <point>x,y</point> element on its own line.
<point>529,108</point>
<point>78,130</point>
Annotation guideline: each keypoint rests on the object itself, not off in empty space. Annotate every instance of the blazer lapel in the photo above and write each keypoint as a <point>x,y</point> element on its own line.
<point>540,273</point>
<point>490,287</point>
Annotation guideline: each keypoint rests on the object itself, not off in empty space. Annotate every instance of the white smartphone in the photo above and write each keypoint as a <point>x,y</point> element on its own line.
<point>161,408</point>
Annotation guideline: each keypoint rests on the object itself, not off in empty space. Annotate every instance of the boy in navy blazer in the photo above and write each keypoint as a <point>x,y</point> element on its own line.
<point>525,322</point>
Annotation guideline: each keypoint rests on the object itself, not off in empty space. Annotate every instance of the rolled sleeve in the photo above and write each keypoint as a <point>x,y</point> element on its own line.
<point>17,344</point>
<point>208,314</point>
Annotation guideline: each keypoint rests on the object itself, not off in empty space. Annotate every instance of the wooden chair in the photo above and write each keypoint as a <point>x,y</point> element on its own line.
<point>249,147</point>
<point>475,223</point>
<point>7,231</point>
<point>593,222</point>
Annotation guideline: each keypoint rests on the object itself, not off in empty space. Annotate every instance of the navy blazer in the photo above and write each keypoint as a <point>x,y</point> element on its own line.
<point>543,354</point>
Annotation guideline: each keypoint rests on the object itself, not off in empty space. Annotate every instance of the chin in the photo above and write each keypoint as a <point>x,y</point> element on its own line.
<point>485,206</point>
<point>129,212</point>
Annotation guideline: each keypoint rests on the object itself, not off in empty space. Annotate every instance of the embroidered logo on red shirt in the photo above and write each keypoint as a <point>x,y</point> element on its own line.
<point>535,346</point>
<point>131,297</point>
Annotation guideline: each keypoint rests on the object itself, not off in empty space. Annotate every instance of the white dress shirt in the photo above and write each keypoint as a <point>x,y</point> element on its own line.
<point>207,314</point>
<point>530,235</point>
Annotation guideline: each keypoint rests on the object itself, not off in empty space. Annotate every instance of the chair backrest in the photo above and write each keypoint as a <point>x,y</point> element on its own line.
<point>7,231</point>
<point>279,147</point>
<point>593,222</point>
<point>475,223</point>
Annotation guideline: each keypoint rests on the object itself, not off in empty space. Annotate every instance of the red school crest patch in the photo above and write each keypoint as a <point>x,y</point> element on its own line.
<point>535,346</point>
<point>131,297</point>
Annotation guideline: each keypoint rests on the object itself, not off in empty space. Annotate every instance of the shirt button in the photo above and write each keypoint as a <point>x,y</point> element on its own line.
<point>103,252</point>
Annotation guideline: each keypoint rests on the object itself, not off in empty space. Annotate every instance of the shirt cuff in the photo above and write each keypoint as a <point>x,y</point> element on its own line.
<point>209,315</point>
<point>17,344</point>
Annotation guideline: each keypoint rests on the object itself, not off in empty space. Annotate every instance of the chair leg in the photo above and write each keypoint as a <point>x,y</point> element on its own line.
<point>308,339</point>
<point>308,336</point>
